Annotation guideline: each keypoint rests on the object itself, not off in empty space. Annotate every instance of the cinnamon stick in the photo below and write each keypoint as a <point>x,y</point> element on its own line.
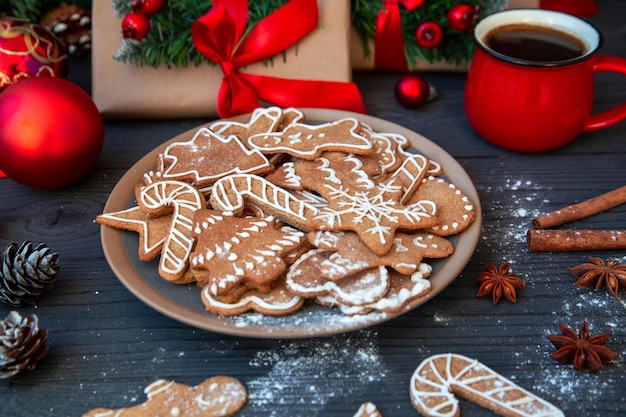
<point>581,210</point>
<point>575,240</point>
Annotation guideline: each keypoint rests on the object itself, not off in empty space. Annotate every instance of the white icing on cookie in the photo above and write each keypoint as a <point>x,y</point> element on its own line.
<point>438,377</point>
<point>185,200</point>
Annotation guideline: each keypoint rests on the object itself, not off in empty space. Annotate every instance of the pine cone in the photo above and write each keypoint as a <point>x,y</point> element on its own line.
<point>72,25</point>
<point>25,273</point>
<point>22,344</point>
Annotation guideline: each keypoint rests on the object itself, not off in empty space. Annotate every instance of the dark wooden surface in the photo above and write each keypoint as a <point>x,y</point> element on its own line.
<point>106,346</point>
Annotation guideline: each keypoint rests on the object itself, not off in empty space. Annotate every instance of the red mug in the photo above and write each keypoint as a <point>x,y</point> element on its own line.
<point>525,102</point>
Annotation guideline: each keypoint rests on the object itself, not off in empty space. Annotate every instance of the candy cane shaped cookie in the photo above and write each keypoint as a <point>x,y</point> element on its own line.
<point>439,377</point>
<point>183,199</point>
<point>410,175</point>
<point>231,193</point>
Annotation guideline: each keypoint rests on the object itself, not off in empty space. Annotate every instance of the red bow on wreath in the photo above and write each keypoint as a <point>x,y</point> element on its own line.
<point>221,36</point>
<point>388,42</point>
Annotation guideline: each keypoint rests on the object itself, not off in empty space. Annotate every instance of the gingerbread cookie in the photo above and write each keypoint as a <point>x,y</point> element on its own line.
<point>456,211</point>
<point>438,378</point>
<point>182,200</point>
<point>352,255</point>
<point>386,152</point>
<point>231,194</point>
<point>262,120</point>
<point>337,168</point>
<point>218,396</point>
<point>363,287</point>
<point>368,409</point>
<point>309,141</point>
<point>278,301</point>
<point>231,251</point>
<point>152,231</point>
<point>403,289</point>
<point>374,215</point>
<point>189,161</point>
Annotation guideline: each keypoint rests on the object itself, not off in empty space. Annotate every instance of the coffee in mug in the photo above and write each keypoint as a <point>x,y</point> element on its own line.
<point>534,43</point>
<point>530,85</point>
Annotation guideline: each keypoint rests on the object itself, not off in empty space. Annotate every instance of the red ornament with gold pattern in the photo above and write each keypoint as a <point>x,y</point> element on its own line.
<point>29,50</point>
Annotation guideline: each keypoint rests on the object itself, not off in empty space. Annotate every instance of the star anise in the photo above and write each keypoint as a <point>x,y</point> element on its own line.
<point>499,282</point>
<point>581,349</point>
<point>597,274</point>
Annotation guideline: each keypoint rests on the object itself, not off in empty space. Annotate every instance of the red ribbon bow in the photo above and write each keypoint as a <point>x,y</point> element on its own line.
<point>221,36</point>
<point>388,41</point>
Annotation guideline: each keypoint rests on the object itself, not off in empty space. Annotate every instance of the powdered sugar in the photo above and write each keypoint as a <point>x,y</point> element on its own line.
<point>314,372</point>
<point>522,199</point>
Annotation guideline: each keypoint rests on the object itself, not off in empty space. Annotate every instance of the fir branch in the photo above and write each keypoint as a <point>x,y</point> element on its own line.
<point>457,47</point>
<point>169,41</point>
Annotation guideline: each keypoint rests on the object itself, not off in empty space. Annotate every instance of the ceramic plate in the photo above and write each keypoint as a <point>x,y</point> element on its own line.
<point>183,302</point>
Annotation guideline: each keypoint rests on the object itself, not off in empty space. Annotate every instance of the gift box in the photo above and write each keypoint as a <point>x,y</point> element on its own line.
<point>126,90</point>
<point>364,60</point>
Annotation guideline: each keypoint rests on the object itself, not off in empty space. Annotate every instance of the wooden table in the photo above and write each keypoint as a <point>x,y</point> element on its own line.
<point>106,345</point>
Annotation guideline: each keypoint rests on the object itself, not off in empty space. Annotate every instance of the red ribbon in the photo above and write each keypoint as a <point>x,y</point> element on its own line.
<point>221,36</point>
<point>388,40</point>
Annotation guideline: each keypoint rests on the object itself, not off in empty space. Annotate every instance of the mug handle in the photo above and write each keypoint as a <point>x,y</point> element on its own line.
<point>605,63</point>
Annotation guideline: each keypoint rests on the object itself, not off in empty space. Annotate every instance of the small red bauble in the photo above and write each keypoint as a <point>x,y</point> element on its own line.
<point>412,91</point>
<point>135,26</point>
<point>462,16</point>
<point>29,50</point>
<point>147,6</point>
<point>51,132</point>
<point>428,34</point>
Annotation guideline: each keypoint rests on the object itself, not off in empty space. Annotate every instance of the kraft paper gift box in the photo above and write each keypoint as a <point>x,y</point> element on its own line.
<point>365,62</point>
<point>125,90</point>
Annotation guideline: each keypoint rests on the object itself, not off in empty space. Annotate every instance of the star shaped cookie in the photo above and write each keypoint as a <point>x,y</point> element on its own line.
<point>374,215</point>
<point>152,230</point>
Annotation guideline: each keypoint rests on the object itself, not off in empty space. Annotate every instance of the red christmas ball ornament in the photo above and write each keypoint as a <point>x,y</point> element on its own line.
<point>462,16</point>
<point>428,34</point>
<point>51,132</point>
<point>135,26</point>
<point>147,6</point>
<point>412,91</point>
<point>29,50</point>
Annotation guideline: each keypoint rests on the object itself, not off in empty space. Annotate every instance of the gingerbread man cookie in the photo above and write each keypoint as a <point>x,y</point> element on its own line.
<point>219,396</point>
